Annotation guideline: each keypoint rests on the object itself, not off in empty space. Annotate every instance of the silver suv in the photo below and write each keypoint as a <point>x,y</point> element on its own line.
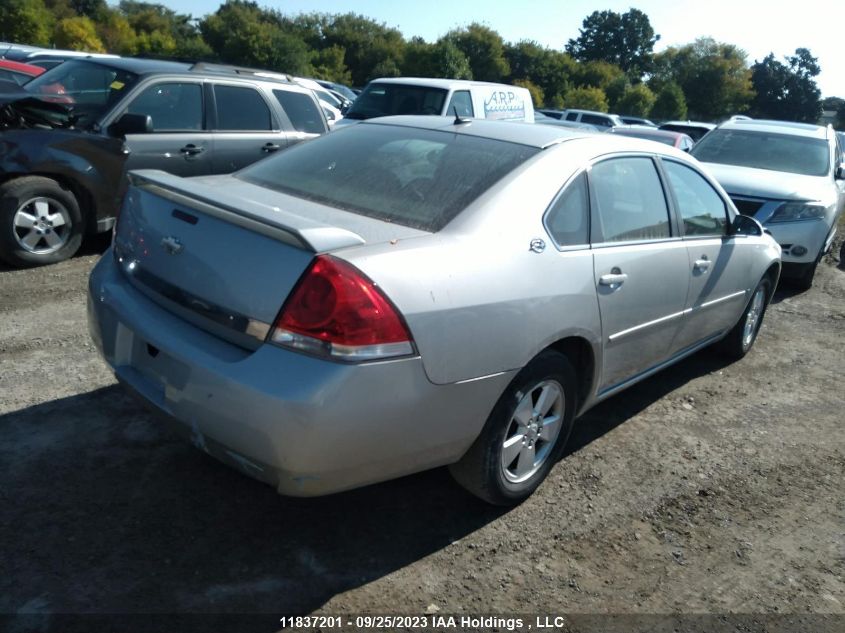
<point>790,177</point>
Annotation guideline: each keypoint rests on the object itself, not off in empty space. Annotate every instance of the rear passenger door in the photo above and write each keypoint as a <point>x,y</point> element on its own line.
<point>180,142</point>
<point>640,267</point>
<point>245,128</point>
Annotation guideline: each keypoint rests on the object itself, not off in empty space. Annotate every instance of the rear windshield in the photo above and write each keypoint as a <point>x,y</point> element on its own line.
<point>388,99</point>
<point>417,178</point>
<point>764,150</point>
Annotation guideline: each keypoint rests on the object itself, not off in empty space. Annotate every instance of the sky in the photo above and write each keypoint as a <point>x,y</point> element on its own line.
<point>758,27</point>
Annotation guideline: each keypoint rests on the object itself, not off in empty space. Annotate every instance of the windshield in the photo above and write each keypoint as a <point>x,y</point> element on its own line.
<point>379,99</point>
<point>765,150</point>
<point>90,88</point>
<point>416,178</point>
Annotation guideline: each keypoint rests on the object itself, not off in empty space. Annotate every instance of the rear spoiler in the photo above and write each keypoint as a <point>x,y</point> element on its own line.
<point>276,223</point>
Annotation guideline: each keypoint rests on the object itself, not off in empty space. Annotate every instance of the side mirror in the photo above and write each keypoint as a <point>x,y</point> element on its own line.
<point>345,108</point>
<point>839,174</point>
<point>131,123</point>
<point>745,225</point>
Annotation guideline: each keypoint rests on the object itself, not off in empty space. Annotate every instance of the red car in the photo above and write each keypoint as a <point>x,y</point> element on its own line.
<point>18,72</point>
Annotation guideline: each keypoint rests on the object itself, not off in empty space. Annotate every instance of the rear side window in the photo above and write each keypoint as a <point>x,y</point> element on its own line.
<point>568,219</point>
<point>303,113</point>
<point>417,178</point>
<point>462,101</point>
<point>630,199</point>
<point>593,119</point>
<point>572,116</point>
<point>242,109</point>
<point>702,209</point>
<point>172,106</point>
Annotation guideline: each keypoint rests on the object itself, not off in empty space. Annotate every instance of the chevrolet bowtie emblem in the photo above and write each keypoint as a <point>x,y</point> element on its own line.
<point>172,245</point>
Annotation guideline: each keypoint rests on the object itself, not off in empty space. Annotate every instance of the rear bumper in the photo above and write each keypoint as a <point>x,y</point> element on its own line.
<point>304,425</point>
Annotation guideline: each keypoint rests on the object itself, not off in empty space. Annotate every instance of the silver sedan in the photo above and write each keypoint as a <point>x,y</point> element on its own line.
<point>413,292</point>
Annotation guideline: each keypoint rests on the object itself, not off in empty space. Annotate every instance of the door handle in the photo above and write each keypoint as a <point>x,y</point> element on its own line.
<point>613,279</point>
<point>270,147</point>
<point>192,150</point>
<point>702,264</point>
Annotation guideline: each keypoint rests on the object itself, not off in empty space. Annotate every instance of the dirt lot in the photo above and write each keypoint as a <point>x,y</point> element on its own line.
<point>710,488</point>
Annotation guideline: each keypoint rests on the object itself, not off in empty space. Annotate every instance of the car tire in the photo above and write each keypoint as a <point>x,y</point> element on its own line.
<point>804,281</point>
<point>513,454</point>
<point>40,222</point>
<point>742,336</point>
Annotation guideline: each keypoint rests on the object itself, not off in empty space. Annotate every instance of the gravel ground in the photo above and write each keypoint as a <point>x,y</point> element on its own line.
<point>711,488</point>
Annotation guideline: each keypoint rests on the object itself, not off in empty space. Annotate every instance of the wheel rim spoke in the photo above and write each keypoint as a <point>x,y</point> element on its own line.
<point>42,209</point>
<point>57,219</point>
<point>511,448</point>
<point>525,462</point>
<point>24,220</point>
<point>30,240</point>
<point>523,411</point>
<point>550,428</point>
<point>53,240</point>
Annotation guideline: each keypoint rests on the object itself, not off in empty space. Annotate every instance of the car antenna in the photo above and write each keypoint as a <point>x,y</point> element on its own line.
<point>458,119</point>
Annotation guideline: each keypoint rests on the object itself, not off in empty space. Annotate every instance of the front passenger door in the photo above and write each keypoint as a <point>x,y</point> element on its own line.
<point>179,142</point>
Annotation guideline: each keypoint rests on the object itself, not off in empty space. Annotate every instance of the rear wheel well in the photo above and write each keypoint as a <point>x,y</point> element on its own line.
<point>580,354</point>
<point>84,199</point>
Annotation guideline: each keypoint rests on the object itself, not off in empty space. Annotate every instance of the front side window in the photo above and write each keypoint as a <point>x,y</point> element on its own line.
<point>382,99</point>
<point>765,150</point>
<point>241,109</point>
<point>413,177</point>
<point>630,199</point>
<point>568,219</point>
<point>702,209</point>
<point>173,107</point>
<point>301,110</point>
<point>462,102</point>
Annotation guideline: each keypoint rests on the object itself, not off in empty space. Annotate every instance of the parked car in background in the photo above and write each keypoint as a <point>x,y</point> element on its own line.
<point>188,120</point>
<point>555,114</point>
<point>346,91</point>
<point>445,97</point>
<point>45,57</point>
<point>539,117</point>
<point>413,292</point>
<point>694,129</point>
<point>601,120</point>
<point>18,72</point>
<point>676,139</point>
<point>635,120</point>
<point>789,176</point>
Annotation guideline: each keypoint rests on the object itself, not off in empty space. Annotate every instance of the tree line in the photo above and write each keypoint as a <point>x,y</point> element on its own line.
<point>610,66</point>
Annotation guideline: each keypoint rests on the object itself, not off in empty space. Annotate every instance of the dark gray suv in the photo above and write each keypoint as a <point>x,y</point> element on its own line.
<point>70,138</point>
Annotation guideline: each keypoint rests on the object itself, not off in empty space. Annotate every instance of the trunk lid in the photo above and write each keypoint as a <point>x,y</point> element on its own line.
<point>224,254</point>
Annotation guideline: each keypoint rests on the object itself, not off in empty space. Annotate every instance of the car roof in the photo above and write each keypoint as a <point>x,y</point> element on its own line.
<point>436,83</point>
<point>638,130</point>
<point>701,124</point>
<point>806,130</point>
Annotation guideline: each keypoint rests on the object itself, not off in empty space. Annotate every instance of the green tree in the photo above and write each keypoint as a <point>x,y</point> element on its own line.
<point>116,34</point>
<point>241,33</point>
<point>485,50</point>
<point>552,71</point>
<point>26,22</point>
<point>372,49</point>
<point>714,77</point>
<point>78,34</point>
<point>586,98</point>
<point>537,97</point>
<point>94,9</point>
<point>637,100</point>
<point>615,89</point>
<point>442,59</point>
<point>788,90</point>
<point>626,40</point>
<point>599,74</point>
<point>670,103</point>
<point>328,64</point>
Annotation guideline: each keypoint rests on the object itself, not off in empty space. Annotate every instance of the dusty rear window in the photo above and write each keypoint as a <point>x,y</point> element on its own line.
<point>416,178</point>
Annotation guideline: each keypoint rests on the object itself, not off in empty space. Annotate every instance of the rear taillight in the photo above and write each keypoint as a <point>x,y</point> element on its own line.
<point>337,312</point>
